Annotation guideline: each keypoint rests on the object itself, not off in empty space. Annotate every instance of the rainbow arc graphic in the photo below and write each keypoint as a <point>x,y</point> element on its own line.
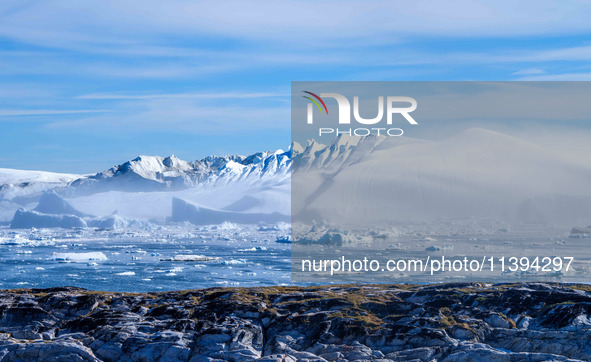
<point>315,102</point>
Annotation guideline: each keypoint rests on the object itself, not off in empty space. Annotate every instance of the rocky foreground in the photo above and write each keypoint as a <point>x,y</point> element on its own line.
<point>445,322</point>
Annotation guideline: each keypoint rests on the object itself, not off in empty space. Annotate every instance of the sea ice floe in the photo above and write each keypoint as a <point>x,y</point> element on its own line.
<point>79,257</point>
<point>23,241</point>
<point>255,248</point>
<point>280,226</point>
<point>224,226</point>
<point>126,274</point>
<point>286,239</point>
<point>438,248</point>
<point>191,258</point>
<point>234,262</point>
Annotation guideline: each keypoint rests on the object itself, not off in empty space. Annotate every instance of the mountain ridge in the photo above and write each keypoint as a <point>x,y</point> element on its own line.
<point>149,173</point>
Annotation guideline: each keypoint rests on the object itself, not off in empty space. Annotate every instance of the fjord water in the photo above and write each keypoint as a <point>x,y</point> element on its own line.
<point>143,260</point>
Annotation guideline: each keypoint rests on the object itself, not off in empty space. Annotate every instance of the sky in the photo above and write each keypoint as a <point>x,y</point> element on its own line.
<point>85,85</point>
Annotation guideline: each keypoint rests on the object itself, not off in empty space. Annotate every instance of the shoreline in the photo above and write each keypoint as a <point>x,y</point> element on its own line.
<point>448,322</point>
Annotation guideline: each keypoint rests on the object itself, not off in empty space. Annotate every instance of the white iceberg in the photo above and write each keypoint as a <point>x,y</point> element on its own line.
<point>24,219</point>
<point>126,274</point>
<point>191,258</point>
<point>183,210</point>
<point>80,257</point>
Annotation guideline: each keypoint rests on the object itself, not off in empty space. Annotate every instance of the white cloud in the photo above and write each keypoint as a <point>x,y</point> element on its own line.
<point>580,53</point>
<point>46,112</point>
<point>529,71</point>
<point>125,23</point>
<point>559,77</point>
<point>183,115</point>
<point>231,95</point>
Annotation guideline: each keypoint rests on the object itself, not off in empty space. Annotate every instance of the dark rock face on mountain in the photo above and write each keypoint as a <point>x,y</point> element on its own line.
<point>445,322</point>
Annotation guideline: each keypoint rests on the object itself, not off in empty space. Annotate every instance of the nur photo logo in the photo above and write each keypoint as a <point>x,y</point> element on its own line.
<point>391,107</point>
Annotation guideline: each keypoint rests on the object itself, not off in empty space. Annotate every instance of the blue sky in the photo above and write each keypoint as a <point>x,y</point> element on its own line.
<point>85,85</point>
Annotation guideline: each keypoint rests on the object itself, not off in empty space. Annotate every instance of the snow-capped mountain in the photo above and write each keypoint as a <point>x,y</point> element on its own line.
<point>151,173</point>
<point>143,188</point>
<point>155,173</point>
<point>19,183</point>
